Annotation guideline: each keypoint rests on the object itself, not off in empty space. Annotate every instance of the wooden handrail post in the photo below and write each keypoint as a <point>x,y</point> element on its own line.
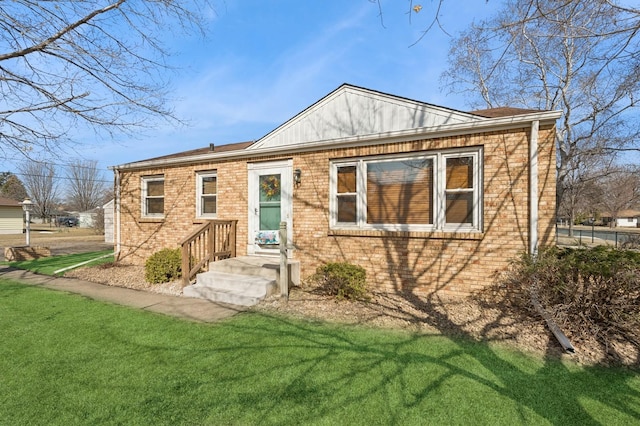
<point>232,237</point>
<point>284,278</point>
<point>186,267</point>
<point>211,241</point>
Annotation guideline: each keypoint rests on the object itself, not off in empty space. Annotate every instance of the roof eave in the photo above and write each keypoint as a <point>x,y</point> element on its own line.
<point>485,125</point>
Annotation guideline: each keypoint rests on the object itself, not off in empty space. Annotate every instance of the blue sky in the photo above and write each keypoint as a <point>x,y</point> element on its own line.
<point>263,62</point>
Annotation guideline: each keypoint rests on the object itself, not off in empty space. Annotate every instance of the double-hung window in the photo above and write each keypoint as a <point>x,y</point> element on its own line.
<point>153,196</point>
<point>459,190</point>
<point>207,194</point>
<point>417,192</point>
<point>346,194</point>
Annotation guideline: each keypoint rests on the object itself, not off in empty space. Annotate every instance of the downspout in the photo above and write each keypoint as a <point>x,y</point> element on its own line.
<point>117,213</point>
<point>533,189</point>
<point>533,235</point>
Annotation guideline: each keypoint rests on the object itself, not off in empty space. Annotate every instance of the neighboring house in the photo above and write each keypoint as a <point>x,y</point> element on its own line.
<point>425,198</point>
<point>11,216</point>
<point>108,222</point>
<point>624,218</point>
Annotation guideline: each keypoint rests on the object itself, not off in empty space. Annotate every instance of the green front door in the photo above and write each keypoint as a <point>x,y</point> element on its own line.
<point>270,203</point>
<point>270,186</point>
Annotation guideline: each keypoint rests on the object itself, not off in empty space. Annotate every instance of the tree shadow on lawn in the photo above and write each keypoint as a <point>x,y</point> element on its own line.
<point>554,391</point>
<point>262,368</point>
<point>403,376</point>
<point>280,370</point>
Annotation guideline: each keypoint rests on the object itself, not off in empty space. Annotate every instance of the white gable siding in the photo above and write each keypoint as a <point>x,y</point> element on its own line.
<point>11,220</point>
<point>351,111</point>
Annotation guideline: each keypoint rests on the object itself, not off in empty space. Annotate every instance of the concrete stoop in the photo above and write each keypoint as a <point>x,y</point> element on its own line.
<point>234,289</point>
<point>241,281</point>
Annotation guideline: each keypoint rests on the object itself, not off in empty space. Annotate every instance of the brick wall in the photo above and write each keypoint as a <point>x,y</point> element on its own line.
<point>419,262</point>
<point>142,237</point>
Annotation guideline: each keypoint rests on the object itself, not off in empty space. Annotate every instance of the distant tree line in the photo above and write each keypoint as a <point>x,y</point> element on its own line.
<point>79,186</point>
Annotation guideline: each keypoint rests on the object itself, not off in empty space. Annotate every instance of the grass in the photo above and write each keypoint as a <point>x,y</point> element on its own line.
<point>48,265</point>
<point>69,360</point>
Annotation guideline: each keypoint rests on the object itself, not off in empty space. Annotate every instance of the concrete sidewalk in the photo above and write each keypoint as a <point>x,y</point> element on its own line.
<point>192,309</point>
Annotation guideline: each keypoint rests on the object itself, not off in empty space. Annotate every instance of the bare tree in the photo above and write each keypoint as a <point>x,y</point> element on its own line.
<point>41,183</point>
<point>432,8</point>
<point>621,191</point>
<point>94,62</point>
<point>583,192</point>
<point>86,185</point>
<point>3,177</point>
<point>578,56</point>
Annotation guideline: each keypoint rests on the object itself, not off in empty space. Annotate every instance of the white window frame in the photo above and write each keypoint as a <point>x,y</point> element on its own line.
<point>477,196</point>
<point>334,197</point>
<point>199,194</point>
<point>143,185</point>
<point>439,192</point>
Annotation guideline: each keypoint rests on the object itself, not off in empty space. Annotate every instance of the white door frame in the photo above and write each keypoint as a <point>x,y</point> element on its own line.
<point>285,169</point>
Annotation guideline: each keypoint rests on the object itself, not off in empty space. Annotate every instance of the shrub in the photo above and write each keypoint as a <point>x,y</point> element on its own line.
<point>163,266</point>
<point>342,279</point>
<point>589,292</point>
<point>633,242</point>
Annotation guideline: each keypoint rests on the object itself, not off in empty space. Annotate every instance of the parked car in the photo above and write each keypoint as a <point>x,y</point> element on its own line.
<point>69,221</point>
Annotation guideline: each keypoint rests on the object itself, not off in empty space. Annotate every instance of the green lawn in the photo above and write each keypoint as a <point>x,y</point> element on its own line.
<point>48,265</point>
<point>68,360</point>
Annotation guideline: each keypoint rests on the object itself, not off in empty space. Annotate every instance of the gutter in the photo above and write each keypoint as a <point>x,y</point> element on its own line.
<point>559,335</point>
<point>493,124</point>
<point>533,236</point>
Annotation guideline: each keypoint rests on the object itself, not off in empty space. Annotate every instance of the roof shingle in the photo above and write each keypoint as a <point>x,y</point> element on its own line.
<point>201,151</point>
<point>8,202</point>
<point>503,112</point>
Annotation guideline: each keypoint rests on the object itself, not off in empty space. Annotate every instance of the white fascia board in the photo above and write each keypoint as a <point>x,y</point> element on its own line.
<point>485,125</point>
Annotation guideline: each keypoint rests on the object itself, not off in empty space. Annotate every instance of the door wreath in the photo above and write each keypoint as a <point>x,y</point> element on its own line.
<point>270,186</point>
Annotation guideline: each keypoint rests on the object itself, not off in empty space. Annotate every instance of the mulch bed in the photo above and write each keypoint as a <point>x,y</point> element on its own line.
<point>475,318</point>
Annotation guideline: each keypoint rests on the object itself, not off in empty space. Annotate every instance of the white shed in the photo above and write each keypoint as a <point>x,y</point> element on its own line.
<point>87,219</point>
<point>11,216</point>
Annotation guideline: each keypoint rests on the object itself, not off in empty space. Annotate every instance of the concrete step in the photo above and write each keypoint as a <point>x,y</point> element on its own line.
<point>260,266</point>
<point>244,280</point>
<point>229,288</point>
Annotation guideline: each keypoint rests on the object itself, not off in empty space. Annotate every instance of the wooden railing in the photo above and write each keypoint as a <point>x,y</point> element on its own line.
<point>213,240</point>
